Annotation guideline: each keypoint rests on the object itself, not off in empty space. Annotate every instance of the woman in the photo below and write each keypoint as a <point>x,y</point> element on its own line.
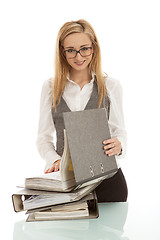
<point>79,84</point>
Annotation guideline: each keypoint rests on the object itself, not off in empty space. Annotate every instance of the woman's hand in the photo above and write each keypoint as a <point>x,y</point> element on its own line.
<point>113,146</point>
<point>55,167</point>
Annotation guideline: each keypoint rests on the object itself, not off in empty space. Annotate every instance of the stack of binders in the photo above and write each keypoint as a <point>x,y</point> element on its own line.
<point>69,193</point>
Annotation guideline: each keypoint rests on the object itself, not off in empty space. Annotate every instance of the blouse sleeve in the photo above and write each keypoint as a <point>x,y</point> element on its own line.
<point>116,118</point>
<point>46,129</point>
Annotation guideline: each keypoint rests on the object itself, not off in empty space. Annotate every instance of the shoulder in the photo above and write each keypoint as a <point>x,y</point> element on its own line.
<point>47,86</point>
<point>113,85</point>
<point>48,83</point>
<point>46,92</point>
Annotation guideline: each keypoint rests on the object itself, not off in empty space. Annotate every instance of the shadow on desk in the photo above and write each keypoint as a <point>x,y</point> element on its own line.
<point>109,226</point>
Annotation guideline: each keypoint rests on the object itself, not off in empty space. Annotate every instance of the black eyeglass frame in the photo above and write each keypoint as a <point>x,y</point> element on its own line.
<point>78,52</point>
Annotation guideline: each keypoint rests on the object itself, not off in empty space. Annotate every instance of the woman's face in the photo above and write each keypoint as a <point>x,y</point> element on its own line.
<point>77,41</point>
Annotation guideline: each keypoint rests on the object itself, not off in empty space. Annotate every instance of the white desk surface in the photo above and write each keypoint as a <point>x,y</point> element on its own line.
<point>117,221</point>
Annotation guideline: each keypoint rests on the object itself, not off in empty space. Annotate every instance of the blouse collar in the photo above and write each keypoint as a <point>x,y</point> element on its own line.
<point>92,80</point>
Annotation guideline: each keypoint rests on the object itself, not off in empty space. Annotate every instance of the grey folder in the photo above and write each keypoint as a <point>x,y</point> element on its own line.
<point>86,130</point>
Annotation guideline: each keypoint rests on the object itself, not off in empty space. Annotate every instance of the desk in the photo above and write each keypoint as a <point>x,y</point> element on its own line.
<point>117,221</point>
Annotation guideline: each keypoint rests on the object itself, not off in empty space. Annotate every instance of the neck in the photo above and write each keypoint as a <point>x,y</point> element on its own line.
<point>80,77</point>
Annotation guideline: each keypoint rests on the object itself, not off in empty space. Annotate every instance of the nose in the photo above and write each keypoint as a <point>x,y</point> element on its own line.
<point>78,56</point>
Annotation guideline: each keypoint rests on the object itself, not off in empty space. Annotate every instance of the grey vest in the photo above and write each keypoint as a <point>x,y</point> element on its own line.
<point>62,107</point>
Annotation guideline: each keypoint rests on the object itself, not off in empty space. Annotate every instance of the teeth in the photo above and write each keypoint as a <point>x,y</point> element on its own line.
<point>80,62</point>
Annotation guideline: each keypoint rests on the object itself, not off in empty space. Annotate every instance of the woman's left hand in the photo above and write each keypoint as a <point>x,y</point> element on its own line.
<point>112,146</point>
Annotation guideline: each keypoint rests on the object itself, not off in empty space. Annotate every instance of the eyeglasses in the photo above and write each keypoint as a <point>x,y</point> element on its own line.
<point>84,52</point>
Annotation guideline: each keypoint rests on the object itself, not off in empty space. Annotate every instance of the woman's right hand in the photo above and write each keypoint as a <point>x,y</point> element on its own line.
<point>55,167</point>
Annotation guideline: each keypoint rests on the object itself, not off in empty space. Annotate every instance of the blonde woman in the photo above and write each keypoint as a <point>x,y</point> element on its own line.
<point>79,84</point>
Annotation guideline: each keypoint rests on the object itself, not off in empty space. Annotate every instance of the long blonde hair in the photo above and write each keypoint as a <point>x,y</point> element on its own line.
<point>62,66</point>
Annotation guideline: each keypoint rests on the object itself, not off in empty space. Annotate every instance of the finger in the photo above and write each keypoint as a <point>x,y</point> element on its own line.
<point>111,145</point>
<point>56,168</point>
<point>46,171</point>
<point>112,151</point>
<point>49,170</point>
<point>111,140</point>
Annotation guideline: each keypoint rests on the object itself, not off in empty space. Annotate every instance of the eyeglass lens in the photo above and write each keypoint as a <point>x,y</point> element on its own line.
<point>71,53</point>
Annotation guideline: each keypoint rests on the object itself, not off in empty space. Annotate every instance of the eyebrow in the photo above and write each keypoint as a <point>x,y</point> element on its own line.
<point>80,46</point>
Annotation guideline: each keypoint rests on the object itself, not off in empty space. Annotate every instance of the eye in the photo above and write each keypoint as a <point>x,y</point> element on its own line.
<point>85,49</point>
<point>70,50</point>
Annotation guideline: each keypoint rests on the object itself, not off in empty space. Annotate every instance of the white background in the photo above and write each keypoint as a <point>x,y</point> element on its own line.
<point>128,32</point>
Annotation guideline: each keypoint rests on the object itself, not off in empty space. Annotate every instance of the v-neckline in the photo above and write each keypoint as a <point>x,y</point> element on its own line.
<point>93,89</point>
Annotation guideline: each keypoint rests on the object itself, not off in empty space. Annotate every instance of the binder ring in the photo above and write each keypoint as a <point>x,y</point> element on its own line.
<point>91,171</point>
<point>102,169</point>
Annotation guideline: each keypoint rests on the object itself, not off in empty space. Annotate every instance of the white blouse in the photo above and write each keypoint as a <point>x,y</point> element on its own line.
<point>76,99</point>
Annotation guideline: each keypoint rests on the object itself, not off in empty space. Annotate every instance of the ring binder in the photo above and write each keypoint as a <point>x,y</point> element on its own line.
<point>86,130</point>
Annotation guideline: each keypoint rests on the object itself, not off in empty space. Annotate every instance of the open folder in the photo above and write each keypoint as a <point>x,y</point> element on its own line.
<point>83,161</point>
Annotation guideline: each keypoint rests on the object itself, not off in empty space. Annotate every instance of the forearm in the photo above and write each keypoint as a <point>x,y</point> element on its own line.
<point>46,128</point>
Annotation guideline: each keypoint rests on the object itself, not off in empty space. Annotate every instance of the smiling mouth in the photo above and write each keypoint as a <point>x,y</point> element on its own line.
<point>80,63</point>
